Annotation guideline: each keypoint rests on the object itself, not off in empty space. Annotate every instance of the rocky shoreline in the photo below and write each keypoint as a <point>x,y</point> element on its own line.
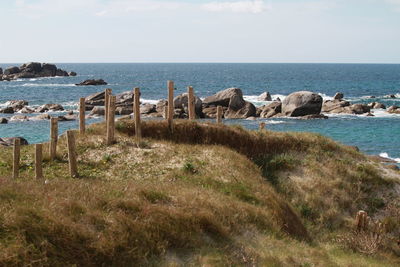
<point>301,105</point>
<point>33,70</point>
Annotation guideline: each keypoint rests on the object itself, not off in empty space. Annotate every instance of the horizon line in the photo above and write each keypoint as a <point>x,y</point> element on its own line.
<point>211,62</point>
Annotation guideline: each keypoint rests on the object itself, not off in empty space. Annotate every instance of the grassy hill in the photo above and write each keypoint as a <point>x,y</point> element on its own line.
<point>205,195</point>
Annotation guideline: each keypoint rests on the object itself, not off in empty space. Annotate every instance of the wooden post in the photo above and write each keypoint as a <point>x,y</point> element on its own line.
<point>219,114</point>
<point>191,104</point>
<point>107,94</point>
<point>166,111</point>
<point>138,129</point>
<point>73,168</point>
<point>82,123</point>
<point>171,105</point>
<point>38,161</point>
<point>53,137</point>
<point>111,120</point>
<point>16,157</point>
<point>262,126</point>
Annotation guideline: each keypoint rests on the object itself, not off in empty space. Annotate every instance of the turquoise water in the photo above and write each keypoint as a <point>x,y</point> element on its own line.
<point>373,135</point>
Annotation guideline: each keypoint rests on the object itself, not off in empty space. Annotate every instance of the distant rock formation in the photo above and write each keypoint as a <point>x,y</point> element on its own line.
<point>32,70</point>
<point>301,104</point>
<point>92,82</point>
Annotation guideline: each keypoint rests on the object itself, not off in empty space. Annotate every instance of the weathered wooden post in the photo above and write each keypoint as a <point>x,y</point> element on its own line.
<point>219,114</point>
<point>107,94</point>
<point>262,126</point>
<point>191,104</point>
<point>38,161</point>
<point>53,137</point>
<point>82,109</point>
<point>16,157</point>
<point>166,112</point>
<point>138,129</point>
<point>73,167</point>
<point>171,105</point>
<point>111,120</point>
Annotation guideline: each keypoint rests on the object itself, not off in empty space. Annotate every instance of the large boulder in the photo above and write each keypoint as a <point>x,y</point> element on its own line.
<point>181,101</point>
<point>49,70</point>
<point>11,70</point>
<point>91,82</point>
<point>147,108</point>
<point>10,141</point>
<point>124,99</point>
<point>1,71</point>
<point>359,109</point>
<point>40,117</point>
<point>34,67</point>
<point>301,104</point>
<point>271,110</point>
<point>96,99</point>
<point>231,97</point>
<point>247,110</point>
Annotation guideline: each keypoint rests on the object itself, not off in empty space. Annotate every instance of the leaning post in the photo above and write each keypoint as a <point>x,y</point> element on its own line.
<point>16,157</point>
<point>111,121</point>
<point>73,167</point>
<point>82,123</point>
<point>38,161</point>
<point>138,128</point>
<point>219,114</point>
<point>53,137</point>
<point>191,103</point>
<point>171,105</point>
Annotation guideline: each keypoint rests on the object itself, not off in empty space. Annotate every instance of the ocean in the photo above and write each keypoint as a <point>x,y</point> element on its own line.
<point>378,135</point>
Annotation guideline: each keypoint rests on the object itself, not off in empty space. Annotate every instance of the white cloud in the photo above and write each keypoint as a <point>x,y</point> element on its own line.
<point>256,6</point>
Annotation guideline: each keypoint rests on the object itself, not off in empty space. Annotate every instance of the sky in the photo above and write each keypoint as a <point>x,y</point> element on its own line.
<point>309,31</point>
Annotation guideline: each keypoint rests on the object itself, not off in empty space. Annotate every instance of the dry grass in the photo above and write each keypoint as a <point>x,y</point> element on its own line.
<point>188,199</point>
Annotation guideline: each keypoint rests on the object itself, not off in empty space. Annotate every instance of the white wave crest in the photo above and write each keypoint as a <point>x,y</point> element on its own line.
<point>149,101</point>
<point>386,155</point>
<point>47,84</point>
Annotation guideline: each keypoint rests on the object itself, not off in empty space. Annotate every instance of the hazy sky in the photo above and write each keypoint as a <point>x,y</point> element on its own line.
<point>200,31</point>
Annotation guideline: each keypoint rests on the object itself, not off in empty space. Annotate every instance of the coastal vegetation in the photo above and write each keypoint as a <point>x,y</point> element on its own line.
<point>205,194</point>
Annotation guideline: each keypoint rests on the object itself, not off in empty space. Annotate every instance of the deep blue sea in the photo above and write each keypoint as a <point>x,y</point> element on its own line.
<point>373,135</point>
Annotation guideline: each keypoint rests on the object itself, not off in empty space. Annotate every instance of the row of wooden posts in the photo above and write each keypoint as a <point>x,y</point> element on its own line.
<point>109,103</point>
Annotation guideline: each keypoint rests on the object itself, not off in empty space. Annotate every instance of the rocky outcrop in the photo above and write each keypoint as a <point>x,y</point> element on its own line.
<point>49,107</point>
<point>181,102</point>
<point>32,70</point>
<point>266,96</point>
<point>334,106</point>
<point>10,141</point>
<point>301,104</point>
<point>271,110</point>
<point>232,99</point>
<point>92,82</point>
<point>19,118</point>
<point>394,110</point>
<point>3,121</point>
<point>377,105</point>
<point>338,96</point>
<point>314,116</point>
<point>97,99</point>
<point>390,96</point>
<point>7,110</point>
<point>148,108</point>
